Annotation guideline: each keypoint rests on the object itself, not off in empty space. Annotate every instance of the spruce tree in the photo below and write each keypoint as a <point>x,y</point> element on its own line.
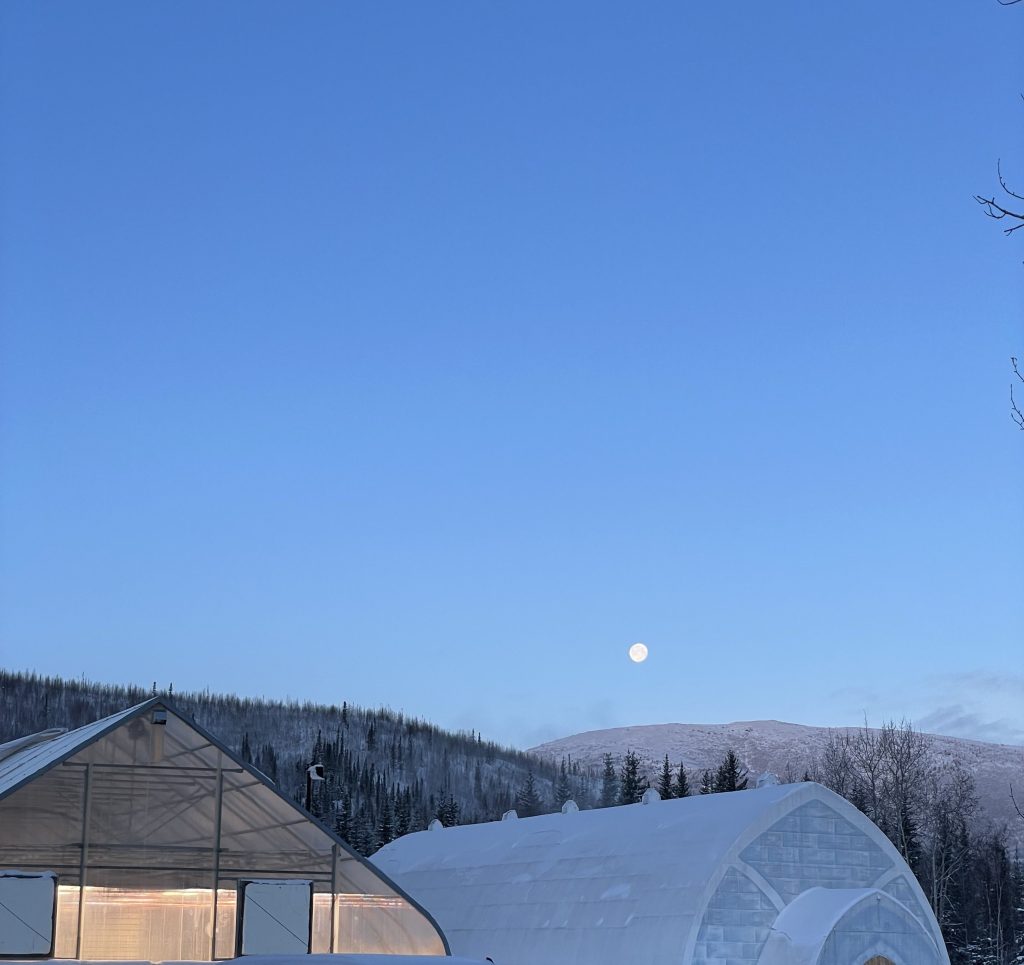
<point>665,786</point>
<point>528,801</point>
<point>730,776</point>
<point>563,789</point>
<point>403,812</point>
<point>707,784</point>
<point>631,783</point>
<point>448,811</point>
<point>609,783</point>
<point>682,788</point>
<point>386,822</point>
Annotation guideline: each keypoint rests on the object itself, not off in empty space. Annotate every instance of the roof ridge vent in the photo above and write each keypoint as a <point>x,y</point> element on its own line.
<point>22,743</point>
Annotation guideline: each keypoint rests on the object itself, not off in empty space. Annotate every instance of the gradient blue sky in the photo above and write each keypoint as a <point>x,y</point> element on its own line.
<point>430,354</point>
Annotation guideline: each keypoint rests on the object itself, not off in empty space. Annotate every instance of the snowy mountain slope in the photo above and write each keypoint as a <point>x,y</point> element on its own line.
<point>787,750</point>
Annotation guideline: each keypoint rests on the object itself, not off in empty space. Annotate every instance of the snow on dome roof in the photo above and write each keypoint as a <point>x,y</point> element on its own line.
<point>624,884</point>
<point>586,879</point>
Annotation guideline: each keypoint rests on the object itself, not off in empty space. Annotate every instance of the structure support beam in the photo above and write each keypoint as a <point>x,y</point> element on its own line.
<point>216,860</point>
<point>334,896</point>
<point>83,862</point>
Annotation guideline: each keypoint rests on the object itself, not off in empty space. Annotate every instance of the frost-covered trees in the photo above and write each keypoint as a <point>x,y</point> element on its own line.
<point>666,786</point>
<point>731,775</point>
<point>682,785</point>
<point>563,789</point>
<point>632,783</point>
<point>609,783</point>
<point>528,802</point>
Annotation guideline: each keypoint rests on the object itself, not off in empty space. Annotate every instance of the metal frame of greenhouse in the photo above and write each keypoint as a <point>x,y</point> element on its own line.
<point>150,823</point>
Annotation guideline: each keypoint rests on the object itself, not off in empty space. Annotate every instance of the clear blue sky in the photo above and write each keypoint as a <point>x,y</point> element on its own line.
<point>430,354</point>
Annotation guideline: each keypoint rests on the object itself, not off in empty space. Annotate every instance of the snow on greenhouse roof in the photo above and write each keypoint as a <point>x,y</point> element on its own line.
<point>622,883</point>
<point>23,765</point>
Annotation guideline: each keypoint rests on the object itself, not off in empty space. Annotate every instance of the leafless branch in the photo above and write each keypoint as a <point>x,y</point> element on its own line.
<point>1002,181</point>
<point>995,210</point>
<point>1016,806</point>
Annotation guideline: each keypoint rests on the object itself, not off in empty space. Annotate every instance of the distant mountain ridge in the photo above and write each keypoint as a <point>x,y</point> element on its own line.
<point>788,750</point>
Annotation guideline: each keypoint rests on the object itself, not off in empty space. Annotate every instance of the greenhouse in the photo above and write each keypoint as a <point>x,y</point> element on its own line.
<point>781,875</point>
<point>142,837</point>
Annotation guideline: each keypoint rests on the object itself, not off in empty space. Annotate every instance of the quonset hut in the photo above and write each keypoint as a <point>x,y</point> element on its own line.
<point>782,875</point>
<point>142,837</point>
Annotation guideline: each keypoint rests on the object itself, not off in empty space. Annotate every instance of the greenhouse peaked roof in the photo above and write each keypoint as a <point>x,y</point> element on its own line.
<point>24,765</point>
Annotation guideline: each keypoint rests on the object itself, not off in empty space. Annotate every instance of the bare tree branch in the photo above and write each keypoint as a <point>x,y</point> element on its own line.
<point>1015,412</point>
<point>995,210</point>
<point>1002,181</point>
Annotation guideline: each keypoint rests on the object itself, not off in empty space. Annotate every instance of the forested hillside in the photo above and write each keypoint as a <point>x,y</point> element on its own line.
<point>385,773</point>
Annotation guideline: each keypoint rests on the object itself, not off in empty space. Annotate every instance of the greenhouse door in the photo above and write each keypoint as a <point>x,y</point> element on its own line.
<point>275,917</point>
<point>28,914</point>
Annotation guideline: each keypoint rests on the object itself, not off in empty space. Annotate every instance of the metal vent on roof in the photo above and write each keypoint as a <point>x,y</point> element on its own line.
<point>21,743</point>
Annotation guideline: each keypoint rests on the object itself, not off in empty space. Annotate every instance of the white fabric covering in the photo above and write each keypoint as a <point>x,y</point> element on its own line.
<point>700,880</point>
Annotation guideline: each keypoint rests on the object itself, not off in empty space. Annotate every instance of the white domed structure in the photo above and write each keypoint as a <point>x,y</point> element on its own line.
<point>782,875</point>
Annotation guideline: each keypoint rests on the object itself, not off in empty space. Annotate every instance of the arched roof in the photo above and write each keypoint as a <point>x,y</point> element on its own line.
<point>613,884</point>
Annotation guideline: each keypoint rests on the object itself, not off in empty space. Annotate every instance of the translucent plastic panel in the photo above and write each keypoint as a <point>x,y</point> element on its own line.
<point>153,926</point>
<point>321,944</point>
<point>226,919</point>
<point>256,817</point>
<point>376,924</point>
<point>67,921</point>
<point>41,823</point>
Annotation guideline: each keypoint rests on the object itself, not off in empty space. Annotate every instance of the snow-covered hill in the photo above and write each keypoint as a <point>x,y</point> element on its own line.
<point>788,750</point>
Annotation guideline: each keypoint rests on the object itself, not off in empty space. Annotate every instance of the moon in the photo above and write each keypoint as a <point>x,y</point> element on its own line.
<point>638,653</point>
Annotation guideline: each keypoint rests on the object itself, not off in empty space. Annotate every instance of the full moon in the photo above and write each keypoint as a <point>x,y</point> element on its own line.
<point>638,653</point>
